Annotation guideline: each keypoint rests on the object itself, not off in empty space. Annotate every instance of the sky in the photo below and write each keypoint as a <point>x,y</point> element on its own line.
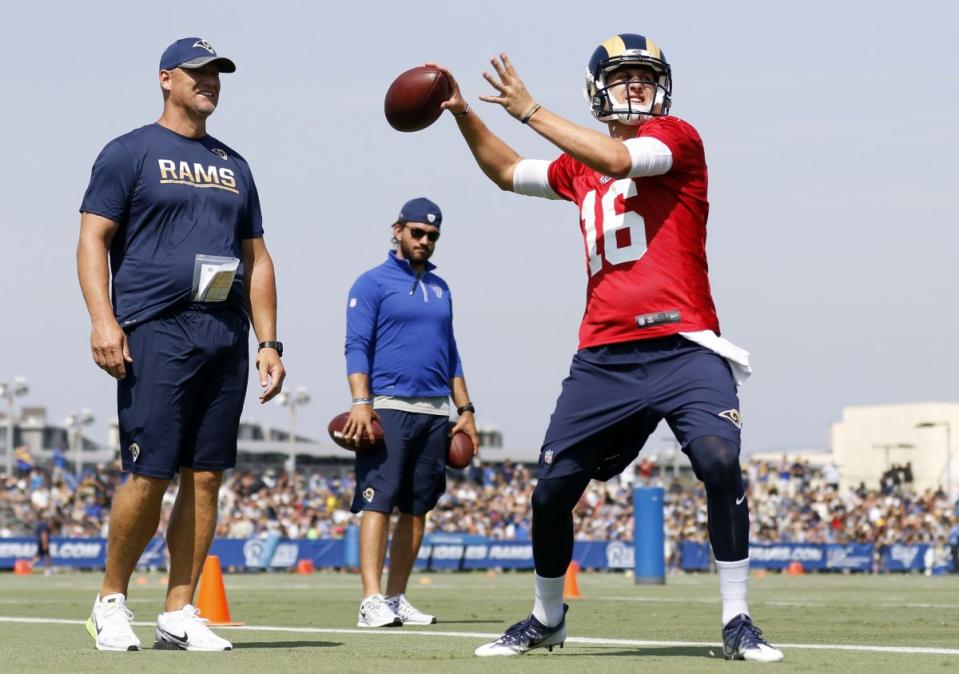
<point>830,134</point>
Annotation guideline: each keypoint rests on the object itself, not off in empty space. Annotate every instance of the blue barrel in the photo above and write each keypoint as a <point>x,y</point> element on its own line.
<point>649,561</point>
<point>351,547</point>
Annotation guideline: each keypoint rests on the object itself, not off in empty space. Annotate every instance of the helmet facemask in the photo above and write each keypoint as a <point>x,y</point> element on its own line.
<point>604,99</point>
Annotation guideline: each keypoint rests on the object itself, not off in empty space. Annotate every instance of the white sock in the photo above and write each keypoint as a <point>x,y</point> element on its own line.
<point>733,578</point>
<point>548,602</point>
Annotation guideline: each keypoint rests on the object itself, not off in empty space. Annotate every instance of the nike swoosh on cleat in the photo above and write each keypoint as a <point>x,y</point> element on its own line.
<point>97,627</point>
<point>182,639</point>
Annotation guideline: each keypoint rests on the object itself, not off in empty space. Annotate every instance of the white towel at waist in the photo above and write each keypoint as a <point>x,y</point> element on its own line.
<point>737,357</point>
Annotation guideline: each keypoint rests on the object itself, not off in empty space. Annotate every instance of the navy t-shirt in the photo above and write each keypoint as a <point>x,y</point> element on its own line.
<point>174,198</point>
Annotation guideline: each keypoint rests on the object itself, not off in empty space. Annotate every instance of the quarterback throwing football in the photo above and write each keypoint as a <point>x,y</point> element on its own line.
<point>649,340</point>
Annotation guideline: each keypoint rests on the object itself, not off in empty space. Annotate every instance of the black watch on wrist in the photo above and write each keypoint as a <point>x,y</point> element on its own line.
<point>271,345</point>
<point>468,407</point>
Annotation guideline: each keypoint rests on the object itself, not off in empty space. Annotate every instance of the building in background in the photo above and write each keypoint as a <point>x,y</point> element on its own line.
<point>40,438</point>
<point>871,439</point>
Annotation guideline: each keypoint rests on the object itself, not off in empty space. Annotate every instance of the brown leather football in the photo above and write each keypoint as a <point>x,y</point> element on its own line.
<point>335,429</point>
<point>413,100</point>
<point>459,451</point>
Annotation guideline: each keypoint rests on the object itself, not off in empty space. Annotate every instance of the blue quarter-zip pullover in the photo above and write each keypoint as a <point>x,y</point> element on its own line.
<point>399,331</point>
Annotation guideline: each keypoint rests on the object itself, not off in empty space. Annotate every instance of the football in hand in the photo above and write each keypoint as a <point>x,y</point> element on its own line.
<point>413,100</point>
<point>335,429</point>
<point>459,450</point>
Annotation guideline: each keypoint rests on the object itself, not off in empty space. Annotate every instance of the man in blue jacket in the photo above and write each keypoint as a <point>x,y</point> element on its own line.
<point>403,366</point>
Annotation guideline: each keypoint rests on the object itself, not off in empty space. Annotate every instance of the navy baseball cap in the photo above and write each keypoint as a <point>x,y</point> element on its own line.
<point>193,52</point>
<point>421,209</point>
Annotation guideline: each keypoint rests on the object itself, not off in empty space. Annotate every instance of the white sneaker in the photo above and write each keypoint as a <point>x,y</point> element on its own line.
<point>376,611</point>
<point>185,630</point>
<point>409,614</point>
<point>110,624</point>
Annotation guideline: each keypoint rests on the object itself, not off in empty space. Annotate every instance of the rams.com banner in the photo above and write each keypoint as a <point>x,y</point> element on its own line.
<point>462,552</point>
<point>812,556</point>
<point>82,553</point>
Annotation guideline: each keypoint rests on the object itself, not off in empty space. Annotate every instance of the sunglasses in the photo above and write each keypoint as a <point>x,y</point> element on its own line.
<point>418,233</point>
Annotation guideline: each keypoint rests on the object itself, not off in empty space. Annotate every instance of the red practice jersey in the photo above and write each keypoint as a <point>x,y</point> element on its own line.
<point>645,242</point>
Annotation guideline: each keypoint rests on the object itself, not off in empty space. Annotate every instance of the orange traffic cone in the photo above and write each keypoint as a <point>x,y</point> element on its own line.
<point>21,567</point>
<point>305,567</point>
<point>212,599</point>
<point>571,584</point>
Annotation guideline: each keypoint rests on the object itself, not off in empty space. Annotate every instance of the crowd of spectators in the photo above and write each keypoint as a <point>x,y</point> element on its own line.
<point>790,501</point>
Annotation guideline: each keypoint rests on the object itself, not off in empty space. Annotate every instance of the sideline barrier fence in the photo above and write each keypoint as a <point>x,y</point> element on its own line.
<point>462,552</point>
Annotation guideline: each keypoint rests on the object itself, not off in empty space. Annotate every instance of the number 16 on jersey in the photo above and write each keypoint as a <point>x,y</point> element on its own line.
<point>624,234</point>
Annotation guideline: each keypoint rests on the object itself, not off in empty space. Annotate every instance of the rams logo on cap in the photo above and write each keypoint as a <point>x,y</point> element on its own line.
<point>430,217</point>
<point>203,44</point>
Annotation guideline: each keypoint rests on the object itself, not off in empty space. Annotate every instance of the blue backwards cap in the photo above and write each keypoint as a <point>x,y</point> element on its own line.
<point>421,209</point>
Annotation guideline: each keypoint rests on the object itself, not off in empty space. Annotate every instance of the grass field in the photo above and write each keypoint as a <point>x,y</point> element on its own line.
<point>306,623</point>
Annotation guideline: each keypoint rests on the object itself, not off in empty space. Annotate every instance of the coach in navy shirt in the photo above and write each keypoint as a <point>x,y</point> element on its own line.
<point>403,366</point>
<point>176,213</point>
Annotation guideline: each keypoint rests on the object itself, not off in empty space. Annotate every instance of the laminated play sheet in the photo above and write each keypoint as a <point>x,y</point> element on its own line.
<point>213,277</point>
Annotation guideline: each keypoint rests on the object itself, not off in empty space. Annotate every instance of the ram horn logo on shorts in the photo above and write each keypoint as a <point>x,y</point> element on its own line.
<point>368,494</point>
<point>134,451</point>
<point>219,153</point>
<point>203,44</point>
<point>733,417</point>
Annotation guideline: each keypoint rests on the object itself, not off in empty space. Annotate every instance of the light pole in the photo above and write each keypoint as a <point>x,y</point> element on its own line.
<point>300,396</point>
<point>8,391</point>
<point>945,424</point>
<point>886,446</point>
<point>674,453</point>
<point>75,422</point>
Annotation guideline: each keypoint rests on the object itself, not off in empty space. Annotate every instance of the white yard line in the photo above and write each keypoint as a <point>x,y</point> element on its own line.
<point>798,603</point>
<point>593,641</point>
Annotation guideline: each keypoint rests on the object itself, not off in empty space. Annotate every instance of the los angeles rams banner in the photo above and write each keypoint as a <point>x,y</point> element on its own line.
<point>441,552</point>
<point>907,557</point>
<point>456,552</point>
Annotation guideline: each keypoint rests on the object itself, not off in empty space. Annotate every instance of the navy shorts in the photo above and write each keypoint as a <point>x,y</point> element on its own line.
<point>616,395</point>
<point>180,402</point>
<point>407,470</point>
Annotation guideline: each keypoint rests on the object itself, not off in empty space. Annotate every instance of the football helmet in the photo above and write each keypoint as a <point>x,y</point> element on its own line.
<point>627,49</point>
